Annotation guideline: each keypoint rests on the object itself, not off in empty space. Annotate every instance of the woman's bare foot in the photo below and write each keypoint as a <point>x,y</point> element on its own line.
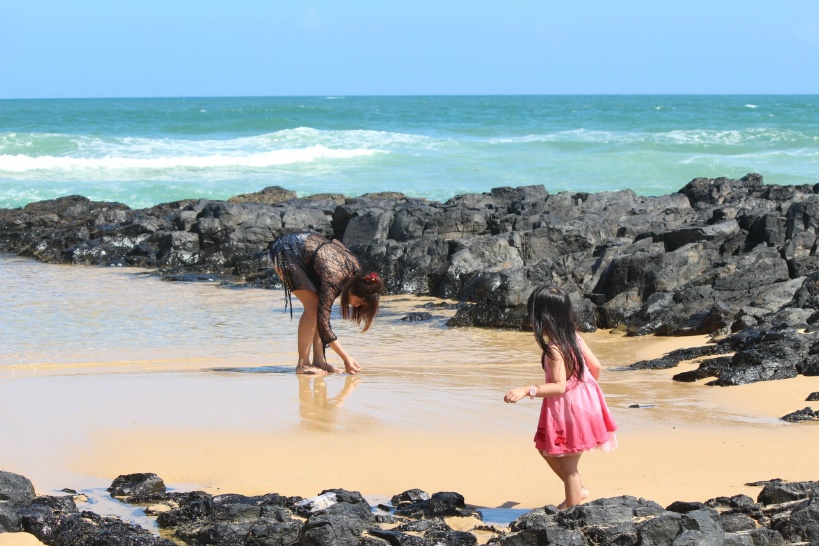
<point>308,369</point>
<point>327,367</point>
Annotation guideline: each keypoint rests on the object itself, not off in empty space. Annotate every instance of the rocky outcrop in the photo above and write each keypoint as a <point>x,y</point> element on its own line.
<point>770,350</point>
<point>137,487</point>
<point>720,257</point>
<point>784,513</point>
<point>55,520</point>
<point>16,493</point>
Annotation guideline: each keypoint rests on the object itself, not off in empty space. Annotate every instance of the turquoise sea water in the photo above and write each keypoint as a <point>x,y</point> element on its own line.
<point>146,151</point>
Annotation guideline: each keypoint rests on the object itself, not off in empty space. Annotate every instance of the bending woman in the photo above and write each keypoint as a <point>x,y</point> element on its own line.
<point>317,271</point>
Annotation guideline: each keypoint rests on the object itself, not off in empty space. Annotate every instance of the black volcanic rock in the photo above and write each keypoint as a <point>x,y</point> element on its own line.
<point>719,257</point>
<point>805,414</point>
<point>786,512</point>
<point>141,485</point>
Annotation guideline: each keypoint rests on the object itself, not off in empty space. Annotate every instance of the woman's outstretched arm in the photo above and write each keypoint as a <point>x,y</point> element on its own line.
<point>350,363</point>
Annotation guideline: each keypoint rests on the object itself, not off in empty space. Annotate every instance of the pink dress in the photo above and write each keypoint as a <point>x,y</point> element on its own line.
<point>576,421</point>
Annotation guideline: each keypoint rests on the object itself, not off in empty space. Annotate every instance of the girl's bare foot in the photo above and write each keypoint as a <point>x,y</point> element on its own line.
<point>584,494</point>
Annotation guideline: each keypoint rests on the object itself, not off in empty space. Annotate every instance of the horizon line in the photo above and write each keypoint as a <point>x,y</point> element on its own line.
<point>342,96</point>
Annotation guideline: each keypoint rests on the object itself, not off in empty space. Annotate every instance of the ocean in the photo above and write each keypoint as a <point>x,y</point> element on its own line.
<point>142,152</point>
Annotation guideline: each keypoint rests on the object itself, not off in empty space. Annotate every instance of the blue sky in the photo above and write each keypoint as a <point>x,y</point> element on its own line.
<point>168,48</point>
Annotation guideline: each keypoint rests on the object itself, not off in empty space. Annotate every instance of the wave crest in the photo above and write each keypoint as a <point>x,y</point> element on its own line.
<point>23,163</point>
<point>673,137</point>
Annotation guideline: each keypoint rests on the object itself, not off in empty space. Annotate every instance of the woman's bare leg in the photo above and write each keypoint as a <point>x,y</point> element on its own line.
<point>307,331</point>
<point>318,355</point>
<point>307,327</point>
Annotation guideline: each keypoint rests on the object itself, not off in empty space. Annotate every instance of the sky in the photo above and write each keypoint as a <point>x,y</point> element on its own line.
<point>199,48</point>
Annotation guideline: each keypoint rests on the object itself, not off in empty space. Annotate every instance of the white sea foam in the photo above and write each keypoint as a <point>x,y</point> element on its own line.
<point>761,135</point>
<point>574,135</point>
<point>300,137</point>
<point>41,153</point>
<point>22,163</point>
<point>674,137</point>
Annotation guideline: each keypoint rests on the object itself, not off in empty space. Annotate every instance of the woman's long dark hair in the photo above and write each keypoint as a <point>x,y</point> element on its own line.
<point>367,287</point>
<point>552,319</point>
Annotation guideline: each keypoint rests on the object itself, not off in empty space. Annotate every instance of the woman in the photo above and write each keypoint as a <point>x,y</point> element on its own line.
<point>317,271</point>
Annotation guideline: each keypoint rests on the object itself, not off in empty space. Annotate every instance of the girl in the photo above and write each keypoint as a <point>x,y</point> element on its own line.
<point>573,417</point>
<point>316,271</point>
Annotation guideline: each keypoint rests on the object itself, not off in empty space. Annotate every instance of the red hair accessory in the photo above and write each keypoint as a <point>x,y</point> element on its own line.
<point>371,277</point>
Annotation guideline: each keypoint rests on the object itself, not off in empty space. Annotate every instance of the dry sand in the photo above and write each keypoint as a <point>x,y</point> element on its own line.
<point>18,539</point>
<point>434,421</point>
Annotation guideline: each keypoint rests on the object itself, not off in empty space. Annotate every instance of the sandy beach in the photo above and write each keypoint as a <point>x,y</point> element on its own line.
<point>694,447</point>
<point>225,413</point>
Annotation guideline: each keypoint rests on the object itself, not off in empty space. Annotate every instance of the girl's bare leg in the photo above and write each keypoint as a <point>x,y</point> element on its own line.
<point>552,461</point>
<point>555,466</point>
<point>307,331</point>
<point>571,479</point>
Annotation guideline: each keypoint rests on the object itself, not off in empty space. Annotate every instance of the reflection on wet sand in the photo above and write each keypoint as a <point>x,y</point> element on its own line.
<point>317,410</point>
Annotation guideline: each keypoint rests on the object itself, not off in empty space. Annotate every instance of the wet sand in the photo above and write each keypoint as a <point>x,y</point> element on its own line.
<point>416,417</point>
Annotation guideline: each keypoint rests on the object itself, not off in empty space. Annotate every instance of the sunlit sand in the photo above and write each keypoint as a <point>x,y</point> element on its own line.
<point>18,539</point>
<point>228,415</point>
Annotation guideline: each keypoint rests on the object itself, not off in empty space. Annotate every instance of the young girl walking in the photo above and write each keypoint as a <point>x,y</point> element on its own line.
<point>573,417</point>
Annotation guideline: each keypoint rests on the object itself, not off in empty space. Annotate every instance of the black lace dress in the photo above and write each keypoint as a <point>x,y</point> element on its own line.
<point>308,261</point>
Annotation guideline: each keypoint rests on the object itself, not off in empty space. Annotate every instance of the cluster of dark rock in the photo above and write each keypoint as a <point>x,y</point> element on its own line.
<point>718,255</point>
<point>722,257</point>
<point>784,513</point>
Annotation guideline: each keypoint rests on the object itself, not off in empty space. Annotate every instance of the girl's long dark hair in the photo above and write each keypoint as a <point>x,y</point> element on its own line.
<point>367,287</point>
<point>552,319</point>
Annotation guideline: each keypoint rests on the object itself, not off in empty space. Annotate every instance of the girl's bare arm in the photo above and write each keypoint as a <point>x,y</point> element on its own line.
<point>555,388</point>
<point>592,362</point>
